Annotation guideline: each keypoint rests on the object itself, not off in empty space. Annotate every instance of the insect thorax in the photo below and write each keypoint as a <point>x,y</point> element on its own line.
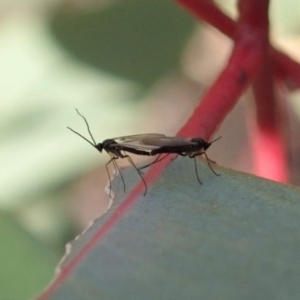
<point>108,146</point>
<point>201,143</point>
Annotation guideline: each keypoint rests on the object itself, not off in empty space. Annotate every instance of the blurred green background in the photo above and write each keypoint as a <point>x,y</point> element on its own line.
<point>130,67</point>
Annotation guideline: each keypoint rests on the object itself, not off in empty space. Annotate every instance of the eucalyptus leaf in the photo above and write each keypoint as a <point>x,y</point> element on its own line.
<point>234,237</point>
<point>136,40</point>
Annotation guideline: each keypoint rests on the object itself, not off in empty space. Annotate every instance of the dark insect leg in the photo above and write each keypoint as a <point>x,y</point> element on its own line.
<point>196,170</point>
<point>119,171</point>
<point>139,172</point>
<point>108,175</point>
<point>208,162</point>
<point>208,159</point>
<point>158,159</point>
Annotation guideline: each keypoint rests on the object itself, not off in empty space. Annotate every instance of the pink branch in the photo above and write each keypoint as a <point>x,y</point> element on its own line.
<point>241,70</point>
<point>206,10</point>
<point>287,69</point>
<point>267,142</point>
<point>225,92</point>
<point>250,61</point>
<point>269,151</point>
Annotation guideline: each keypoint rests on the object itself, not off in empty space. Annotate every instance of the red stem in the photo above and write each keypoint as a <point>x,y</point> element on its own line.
<point>226,90</point>
<point>287,69</point>
<point>250,61</point>
<point>268,147</point>
<point>206,10</point>
<point>254,20</point>
<point>241,70</point>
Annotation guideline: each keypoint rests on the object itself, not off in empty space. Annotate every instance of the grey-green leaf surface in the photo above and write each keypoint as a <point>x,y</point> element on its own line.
<point>236,236</point>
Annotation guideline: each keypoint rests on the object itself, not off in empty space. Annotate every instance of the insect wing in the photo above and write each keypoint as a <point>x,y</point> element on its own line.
<point>149,142</point>
<point>167,141</point>
<point>137,137</point>
<point>176,145</point>
<point>135,143</point>
<point>152,143</point>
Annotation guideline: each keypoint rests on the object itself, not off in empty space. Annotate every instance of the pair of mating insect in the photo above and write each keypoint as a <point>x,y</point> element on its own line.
<point>149,144</point>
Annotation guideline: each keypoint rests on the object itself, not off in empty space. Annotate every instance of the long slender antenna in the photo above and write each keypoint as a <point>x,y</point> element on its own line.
<point>94,145</point>
<point>215,139</point>
<point>87,125</point>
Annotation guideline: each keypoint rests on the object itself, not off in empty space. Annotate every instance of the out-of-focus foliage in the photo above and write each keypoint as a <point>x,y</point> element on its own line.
<point>26,265</point>
<point>138,40</point>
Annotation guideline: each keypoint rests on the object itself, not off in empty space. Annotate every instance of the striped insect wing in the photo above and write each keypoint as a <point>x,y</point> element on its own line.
<point>153,144</point>
<point>165,141</point>
<point>137,137</point>
<point>171,145</point>
<point>137,143</point>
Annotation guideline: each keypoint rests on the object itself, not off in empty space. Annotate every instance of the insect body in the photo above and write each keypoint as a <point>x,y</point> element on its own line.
<point>149,144</point>
<point>190,147</point>
<point>116,149</point>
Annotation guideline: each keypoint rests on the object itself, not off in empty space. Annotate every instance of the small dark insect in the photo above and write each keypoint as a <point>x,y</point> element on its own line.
<point>116,147</point>
<point>149,144</point>
<point>190,147</point>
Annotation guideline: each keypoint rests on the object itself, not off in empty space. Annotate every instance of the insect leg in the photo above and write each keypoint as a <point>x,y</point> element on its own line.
<point>208,160</point>
<point>158,159</point>
<point>108,174</point>
<point>139,172</point>
<point>118,169</point>
<point>196,170</point>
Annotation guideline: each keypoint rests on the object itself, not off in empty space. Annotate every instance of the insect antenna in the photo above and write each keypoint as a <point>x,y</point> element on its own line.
<point>94,145</point>
<point>215,139</point>
<point>87,125</point>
